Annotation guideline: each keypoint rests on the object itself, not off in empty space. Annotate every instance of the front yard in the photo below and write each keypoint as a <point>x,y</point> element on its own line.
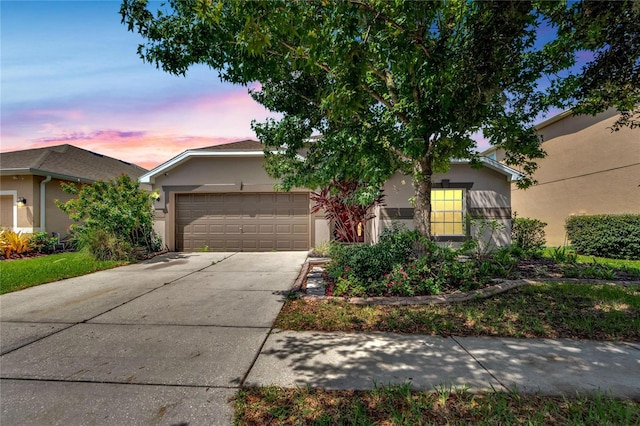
<point>18,274</point>
<point>570,306</point>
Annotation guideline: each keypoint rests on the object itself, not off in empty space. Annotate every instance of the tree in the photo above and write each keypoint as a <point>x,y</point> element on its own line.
<point>389,85</point>
<point>610,31</point>
<point>113,219</point>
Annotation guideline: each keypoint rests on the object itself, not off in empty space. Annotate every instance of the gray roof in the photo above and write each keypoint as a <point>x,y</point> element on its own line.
<point>246,145</point>
<point>67,162</point>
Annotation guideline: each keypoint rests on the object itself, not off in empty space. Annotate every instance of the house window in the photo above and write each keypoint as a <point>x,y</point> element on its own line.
<point>447,208</point>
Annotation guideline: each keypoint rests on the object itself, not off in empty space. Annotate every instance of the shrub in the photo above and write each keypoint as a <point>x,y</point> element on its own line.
<point>13,242</point>
<point>103,245</point>
<point>528,234</point>
<point>42,242</point>
<point>117,209</point>
<point>613,236</point>
<point>345,205</point>
<point>403,263</point>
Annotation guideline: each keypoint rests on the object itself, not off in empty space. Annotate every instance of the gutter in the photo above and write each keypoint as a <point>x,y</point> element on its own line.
<point>43,206</point>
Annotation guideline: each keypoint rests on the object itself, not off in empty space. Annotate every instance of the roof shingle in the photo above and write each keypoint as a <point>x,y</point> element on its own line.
<point>68,160</point>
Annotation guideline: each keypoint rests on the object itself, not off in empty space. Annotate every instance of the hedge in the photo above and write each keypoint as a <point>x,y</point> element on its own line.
<point>606,235</point>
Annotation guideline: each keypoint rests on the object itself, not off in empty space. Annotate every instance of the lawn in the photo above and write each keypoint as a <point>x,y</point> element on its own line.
<point>22,273</point>
<point>631,265</point>
<point>399,405</point>
<point>546,310</point>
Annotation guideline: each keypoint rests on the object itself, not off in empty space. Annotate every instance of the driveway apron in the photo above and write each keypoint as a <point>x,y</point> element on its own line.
<point>167,341</point>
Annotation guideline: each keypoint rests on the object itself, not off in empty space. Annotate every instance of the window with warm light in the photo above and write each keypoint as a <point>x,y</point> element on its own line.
<point>447,212</point>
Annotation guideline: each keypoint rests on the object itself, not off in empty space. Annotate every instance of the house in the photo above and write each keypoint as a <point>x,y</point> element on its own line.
<point>588,170</point>
<point>30,182</point>
<point>220,198</point>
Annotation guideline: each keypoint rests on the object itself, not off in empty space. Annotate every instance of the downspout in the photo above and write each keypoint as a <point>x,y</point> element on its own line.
<point>43,206</point>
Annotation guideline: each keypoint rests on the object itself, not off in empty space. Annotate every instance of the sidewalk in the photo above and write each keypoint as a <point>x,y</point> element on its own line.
<point>358,360</point>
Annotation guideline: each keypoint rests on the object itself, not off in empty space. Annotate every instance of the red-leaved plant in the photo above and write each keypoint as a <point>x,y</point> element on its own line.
<point>339,204</point>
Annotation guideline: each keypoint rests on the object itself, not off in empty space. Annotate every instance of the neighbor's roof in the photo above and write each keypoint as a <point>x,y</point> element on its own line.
<point>245,148</point>
<point>66,162</point>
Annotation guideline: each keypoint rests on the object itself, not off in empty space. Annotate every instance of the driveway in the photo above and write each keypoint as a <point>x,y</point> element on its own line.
<point>166,341</point>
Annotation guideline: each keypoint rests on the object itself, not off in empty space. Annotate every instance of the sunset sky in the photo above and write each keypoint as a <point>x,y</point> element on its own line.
<point>70,74</point>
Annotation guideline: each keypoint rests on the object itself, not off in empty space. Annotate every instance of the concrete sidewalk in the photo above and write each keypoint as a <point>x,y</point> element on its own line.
<point>358,360</point>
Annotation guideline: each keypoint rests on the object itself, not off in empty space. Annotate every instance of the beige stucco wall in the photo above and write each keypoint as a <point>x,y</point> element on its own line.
<point>23,186</point>
<point>28,216</point>
<point>213,174</point>
<point>588,170</point>
<point>489,191</point>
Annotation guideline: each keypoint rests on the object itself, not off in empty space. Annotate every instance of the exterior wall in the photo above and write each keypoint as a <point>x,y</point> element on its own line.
<point>55,219</point>
<point>588,170</point>
<point>28,216</point>
<point>211,174</point>
<point>488,197</point>
<point>22,186</point>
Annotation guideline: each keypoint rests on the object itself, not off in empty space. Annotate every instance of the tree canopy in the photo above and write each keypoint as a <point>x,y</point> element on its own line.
<point>393,85</point>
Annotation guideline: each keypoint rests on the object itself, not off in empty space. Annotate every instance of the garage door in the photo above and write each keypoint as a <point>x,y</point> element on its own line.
<point>242,222</point>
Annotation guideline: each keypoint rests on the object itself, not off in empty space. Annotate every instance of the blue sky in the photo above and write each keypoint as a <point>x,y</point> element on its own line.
<point>70,74</point>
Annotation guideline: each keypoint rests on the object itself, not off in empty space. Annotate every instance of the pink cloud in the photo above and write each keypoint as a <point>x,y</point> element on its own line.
<point>143,149</point>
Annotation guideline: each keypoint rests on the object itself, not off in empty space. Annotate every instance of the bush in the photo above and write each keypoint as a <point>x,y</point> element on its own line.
<point>612,236</point>
<point>403,263</point>
<point>42,242</point>
<point>117,209</point>
<point>103,245</point>
<point>528,234</point>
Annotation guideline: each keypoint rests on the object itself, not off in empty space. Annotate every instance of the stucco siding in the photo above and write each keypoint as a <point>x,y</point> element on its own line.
<point>588,170</point>
<point>487,195</point>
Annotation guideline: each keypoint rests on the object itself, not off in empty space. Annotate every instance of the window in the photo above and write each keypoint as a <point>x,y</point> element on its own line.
<point>447,208</point>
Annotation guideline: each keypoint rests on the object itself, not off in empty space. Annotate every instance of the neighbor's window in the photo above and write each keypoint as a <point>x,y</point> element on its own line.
<point>447,208</point>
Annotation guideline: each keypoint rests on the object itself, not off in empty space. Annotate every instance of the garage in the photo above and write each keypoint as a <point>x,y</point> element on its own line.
<point>242,221</point>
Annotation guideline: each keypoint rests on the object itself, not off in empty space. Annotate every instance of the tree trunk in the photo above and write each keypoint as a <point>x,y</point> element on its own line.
<point>422,184</point>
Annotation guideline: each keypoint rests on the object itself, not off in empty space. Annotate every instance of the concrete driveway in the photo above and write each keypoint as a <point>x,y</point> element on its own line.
<point>166,341</point>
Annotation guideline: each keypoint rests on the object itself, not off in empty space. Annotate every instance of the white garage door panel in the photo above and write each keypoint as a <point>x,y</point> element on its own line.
<point>242,222</point>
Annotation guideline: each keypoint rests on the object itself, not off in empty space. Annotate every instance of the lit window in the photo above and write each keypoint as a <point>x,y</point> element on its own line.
<point>447,208</point>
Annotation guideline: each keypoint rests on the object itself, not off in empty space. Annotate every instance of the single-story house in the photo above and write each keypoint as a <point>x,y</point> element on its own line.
<point>30,182</point>
<point>220,198</point>
<point>589,169</point>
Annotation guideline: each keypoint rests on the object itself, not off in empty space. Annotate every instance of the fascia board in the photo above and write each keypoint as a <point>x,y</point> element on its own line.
<point>38,172</point>
<point>187,155</point>
<point>511,174</point>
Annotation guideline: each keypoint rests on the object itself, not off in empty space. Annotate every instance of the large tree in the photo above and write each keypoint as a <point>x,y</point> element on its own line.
<point>390,85</point>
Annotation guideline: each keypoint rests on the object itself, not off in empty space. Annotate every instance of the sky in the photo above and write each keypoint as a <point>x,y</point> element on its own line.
<point>70,74</point>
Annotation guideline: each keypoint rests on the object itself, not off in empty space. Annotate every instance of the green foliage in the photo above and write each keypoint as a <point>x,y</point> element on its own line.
<point>613,236</point>
<point>482,243</point>
<point>389,85</point>
<point>42,242</point>
<point>611,30</point>
<point>114,219</point>
<point>563,255</point>
<point>528,234</point>
<point>403,263</point>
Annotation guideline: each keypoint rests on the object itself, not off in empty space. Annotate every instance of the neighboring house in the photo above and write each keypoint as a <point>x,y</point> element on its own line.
<point>221,199</point>
<point>588,170</point>
<point>30,182</point>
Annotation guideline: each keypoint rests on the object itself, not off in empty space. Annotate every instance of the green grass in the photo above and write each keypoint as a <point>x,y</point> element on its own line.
<point>22,273</point>
<point>399,405</point>
<point>614,263</point>
<point>551,310</point>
